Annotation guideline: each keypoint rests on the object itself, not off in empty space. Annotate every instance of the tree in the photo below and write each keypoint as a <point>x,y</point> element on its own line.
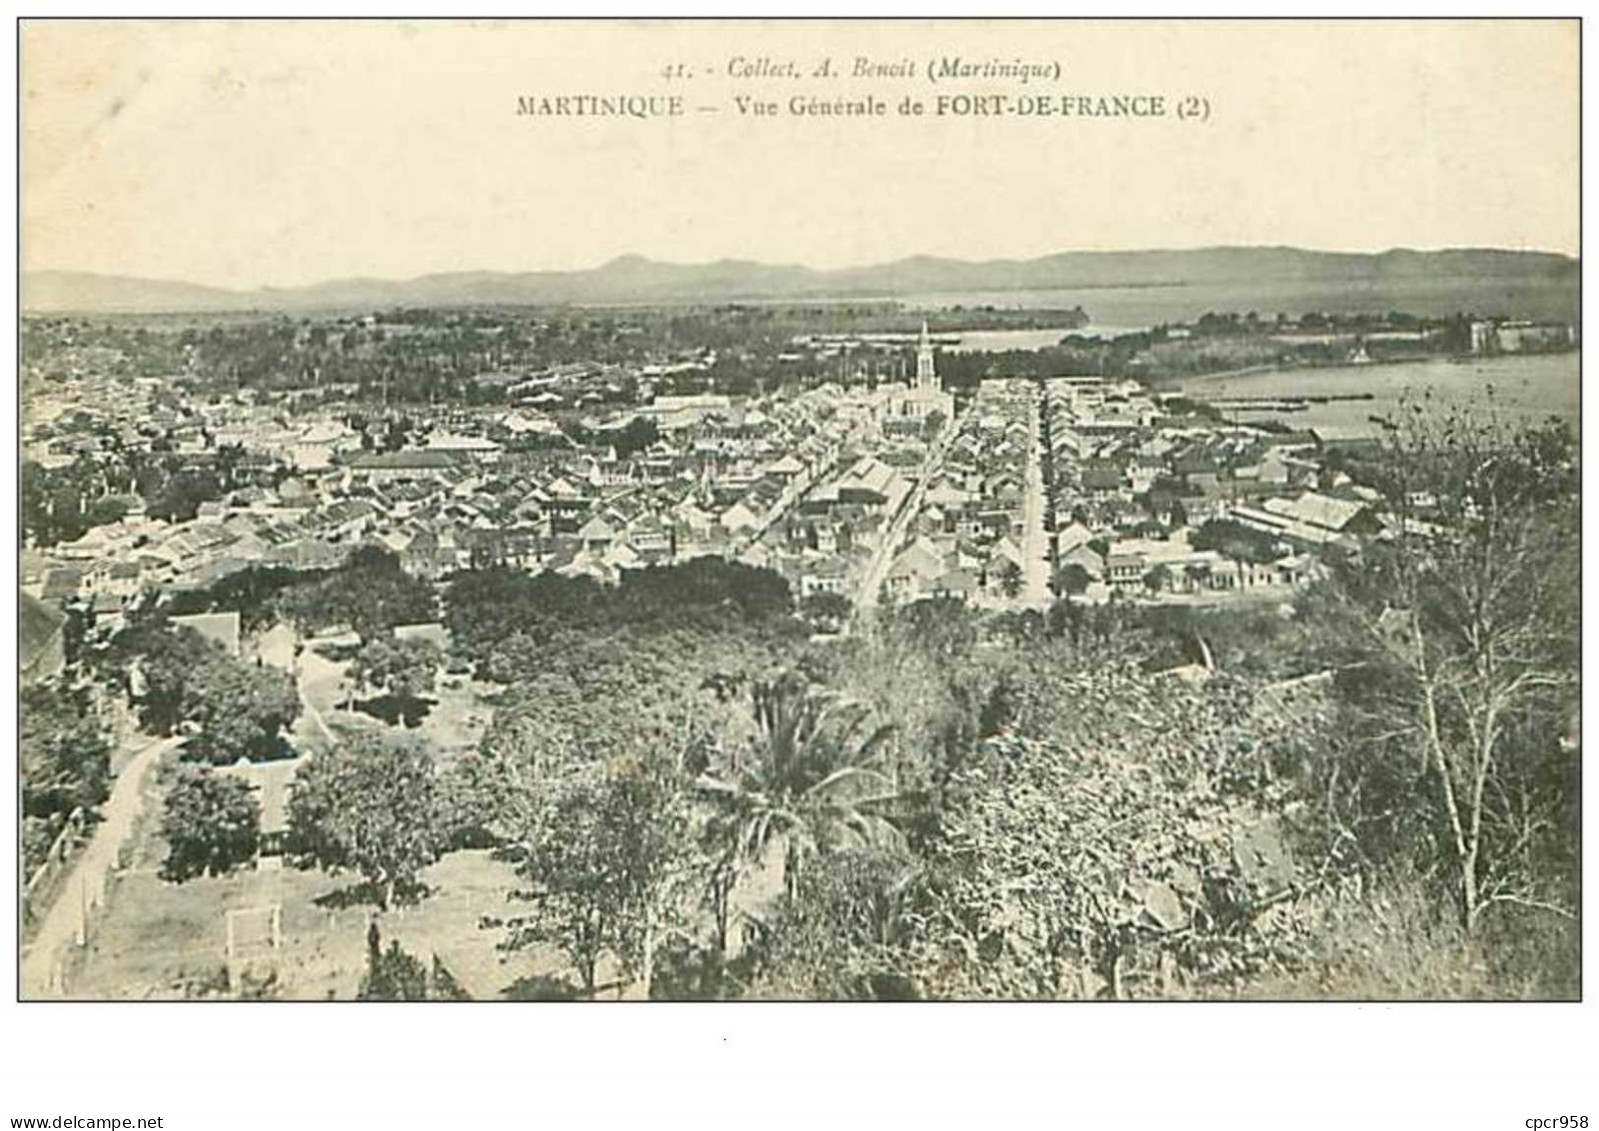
<point>703,582</point>
<point>574,882</point>
<point>37,486</point>
<point>243,711</point>
<point>945,627</point>
<point>211,823</point>
<point>484,608</point>
<point>180,498</point>
<point>827,612</point>
<point>1157,579</point>
<point>646,820</point>
<point>104,512</point>
<point>397,975</point>
<point>1234,540</point>
<point>1011,579</point>
<point>1467,649</point>
<point>405,669</point>
<point>254,592</point>
<point>637,435</point>
<point>492,795</point>
<point>810,779</point>
<point>371,806</point>
<point>371,593</point>
<point>65,759</point>
<point>603,859</point>
<point>164,662</point>
<point>1065,619</point>
<point>1073,580</point>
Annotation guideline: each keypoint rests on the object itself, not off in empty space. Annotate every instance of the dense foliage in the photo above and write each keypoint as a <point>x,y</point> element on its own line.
<point>373,806</point>
<point>1462,691</point>
<point>211,823</point>
<point>239,710</point>
<point>405,669</point>
<point>487,608</point>
<point>592,672</point>
<point>64,763</point>
<point>370,593</point>
<point>65,759</point>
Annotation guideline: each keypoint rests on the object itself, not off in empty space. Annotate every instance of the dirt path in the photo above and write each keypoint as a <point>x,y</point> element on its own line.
<point>318,680</point>
<point>85,887</point>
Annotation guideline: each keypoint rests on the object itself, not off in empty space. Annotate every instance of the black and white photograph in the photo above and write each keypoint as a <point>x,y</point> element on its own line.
<point>826,511</point>
<point>896,571</point>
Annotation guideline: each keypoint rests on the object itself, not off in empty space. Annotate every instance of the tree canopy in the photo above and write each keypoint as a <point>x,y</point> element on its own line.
<point>211,823</point>
<point>601,861</point>
<point>405,669</point>
<point>373,806</point>
<point>242,710</point>
<point>370,593</point>
<point>65,758</point>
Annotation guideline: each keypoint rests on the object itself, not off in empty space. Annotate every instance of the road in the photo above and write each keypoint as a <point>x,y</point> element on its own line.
<point>44,959</point>
<point>872,580</point>
<point>1035,543</point>
<point>791,497</point>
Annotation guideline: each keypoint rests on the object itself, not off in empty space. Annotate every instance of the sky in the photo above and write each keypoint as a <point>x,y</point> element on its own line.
<point>279,154</point>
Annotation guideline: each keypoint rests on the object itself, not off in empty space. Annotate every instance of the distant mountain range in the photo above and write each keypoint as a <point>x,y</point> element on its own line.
<point>634,279</point>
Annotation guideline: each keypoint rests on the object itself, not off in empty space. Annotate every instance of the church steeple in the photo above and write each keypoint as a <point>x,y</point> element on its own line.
<point>926,378</point>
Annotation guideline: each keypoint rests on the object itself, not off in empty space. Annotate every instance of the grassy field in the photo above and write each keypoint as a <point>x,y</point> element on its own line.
<point>164,941</point>
<point>159,940</point>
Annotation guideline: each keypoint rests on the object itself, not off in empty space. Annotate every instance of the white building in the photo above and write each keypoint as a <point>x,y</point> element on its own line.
<point>924,397</point>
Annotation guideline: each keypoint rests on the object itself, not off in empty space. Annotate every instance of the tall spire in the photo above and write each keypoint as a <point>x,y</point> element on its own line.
<point>926,378</point>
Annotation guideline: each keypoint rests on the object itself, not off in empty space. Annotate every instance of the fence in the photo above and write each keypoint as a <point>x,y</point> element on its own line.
<point>45,883</point>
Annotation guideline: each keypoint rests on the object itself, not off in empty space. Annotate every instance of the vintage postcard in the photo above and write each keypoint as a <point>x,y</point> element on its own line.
<point>799,510</point>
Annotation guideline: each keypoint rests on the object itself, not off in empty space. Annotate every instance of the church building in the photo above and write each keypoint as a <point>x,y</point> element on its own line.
<point>911,406</point>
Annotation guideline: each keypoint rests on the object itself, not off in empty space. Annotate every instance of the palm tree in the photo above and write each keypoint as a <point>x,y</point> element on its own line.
<point>812,779</point>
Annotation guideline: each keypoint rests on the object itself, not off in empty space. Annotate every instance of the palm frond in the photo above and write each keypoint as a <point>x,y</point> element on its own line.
<point>868,750</point>
<point>845,774</point>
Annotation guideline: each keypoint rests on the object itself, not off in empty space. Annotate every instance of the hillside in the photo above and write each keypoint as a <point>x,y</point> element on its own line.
<point>635,279</point>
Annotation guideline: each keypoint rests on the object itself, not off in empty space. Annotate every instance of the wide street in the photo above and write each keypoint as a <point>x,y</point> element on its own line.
<point>1035,541</point>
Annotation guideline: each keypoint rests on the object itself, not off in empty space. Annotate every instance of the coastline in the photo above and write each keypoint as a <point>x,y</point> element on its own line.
<point>1348,396</point>
<point>1167,382</point>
